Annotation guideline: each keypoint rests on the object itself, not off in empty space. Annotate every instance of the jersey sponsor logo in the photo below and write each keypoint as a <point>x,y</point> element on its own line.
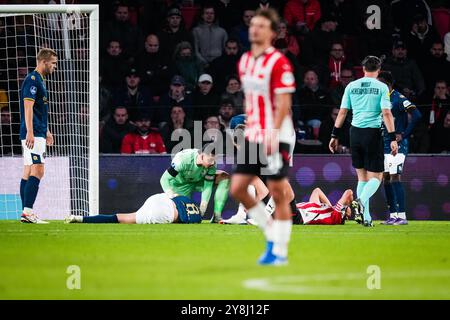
<point>287,78</point>
<point>33,78</point>
<point>33,90</point>
<point>406,103</point>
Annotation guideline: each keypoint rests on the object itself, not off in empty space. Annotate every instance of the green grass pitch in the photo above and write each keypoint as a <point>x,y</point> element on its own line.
<point>219,262</point>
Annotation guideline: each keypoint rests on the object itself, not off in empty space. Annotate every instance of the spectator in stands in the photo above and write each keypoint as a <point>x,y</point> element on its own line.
<point>144,139</point>
<point>440,141</point>
<point>187,64</point>
<point>420,39</point>
<point>123,30</point>
<point>283,33</point>
<point>114,130</point>
<point>404,12</point>
<point>317,44</point>
<point>204,97</point>
<point>173,33</point>
<point>133,96</point>
<point>178,125</point>
<point>225,65</point>
<point>336,94</point>
<point>113,65</point>
<point>405,71</point>
<point>326,128</point>
<point>226,112</point>
<point>440,104</point>
<point>9,134</point>
<point>176,96</point>
<point>241,31</point>
<point>344,12</point>
<point>213,130</point>
<point>233,92</point>
<point>336,63</point>
<point>104,101</point>
<point>153,66</point>
<point>209,38</point>
<point>302,15</point>
<point>436,66</point>
<point>314,101</point>
<point>447,45</point>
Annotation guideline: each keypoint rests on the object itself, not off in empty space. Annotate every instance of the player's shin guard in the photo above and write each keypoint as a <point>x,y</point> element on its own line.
<point>400,196</point>
<point>221,196</point>
<point>23,184</point>
<point>101,218</point>
<point>369,190</point>
<point>30,193</point>
<point>281,236</point>
<point>390,198</point>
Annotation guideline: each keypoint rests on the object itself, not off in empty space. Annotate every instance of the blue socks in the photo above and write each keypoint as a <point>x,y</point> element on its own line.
<point>400,195</point>
<point>31,189</point>
<point>368,191</point>
<point>391,198</point>
<point>23,184</point>
<point>101,218</point>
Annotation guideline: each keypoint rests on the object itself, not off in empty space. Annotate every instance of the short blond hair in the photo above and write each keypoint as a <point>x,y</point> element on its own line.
<point>45,54</point>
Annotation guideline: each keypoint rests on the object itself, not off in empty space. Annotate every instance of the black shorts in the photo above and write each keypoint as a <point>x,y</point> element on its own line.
<point>253,161</point>
<point>367,149</point>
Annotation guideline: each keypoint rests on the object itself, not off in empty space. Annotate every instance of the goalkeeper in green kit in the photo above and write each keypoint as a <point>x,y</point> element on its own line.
<point>194,170</point>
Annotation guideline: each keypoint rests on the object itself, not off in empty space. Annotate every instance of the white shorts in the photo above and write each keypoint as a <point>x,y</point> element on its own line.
<point>35,155</point>
<point>157,209</point>
<point>394,164</point>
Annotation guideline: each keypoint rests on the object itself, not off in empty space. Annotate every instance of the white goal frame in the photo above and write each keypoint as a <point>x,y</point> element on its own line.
<point>93,12</point>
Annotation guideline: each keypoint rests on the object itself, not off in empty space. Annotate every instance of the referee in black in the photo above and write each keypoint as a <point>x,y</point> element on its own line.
<point>369,101</point>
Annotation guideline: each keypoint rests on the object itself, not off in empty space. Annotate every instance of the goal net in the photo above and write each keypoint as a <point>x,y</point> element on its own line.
<point>70,183</point>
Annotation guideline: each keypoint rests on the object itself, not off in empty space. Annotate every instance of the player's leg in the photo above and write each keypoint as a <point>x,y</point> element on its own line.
<point>34,158</point>
<point>372,185</point>
<point>400,196</point>
<point>127,218</point>
<point>389,192</point>
<point>23,183</point>
<point>222,180</point>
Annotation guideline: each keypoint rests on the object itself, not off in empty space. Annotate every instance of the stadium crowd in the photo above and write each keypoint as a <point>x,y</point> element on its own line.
<point>165,64</point>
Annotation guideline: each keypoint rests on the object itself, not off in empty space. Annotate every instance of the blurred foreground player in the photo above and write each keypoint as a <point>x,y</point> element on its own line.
<point>268,83</point>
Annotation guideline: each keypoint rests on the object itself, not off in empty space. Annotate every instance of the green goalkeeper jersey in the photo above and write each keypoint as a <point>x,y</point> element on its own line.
<point>184,176</point>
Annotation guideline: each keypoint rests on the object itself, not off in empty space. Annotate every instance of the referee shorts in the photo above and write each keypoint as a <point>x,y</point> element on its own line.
<point>253,161</point>
<point>367,149</point>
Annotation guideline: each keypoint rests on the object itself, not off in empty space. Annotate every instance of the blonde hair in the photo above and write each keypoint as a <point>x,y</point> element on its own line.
<point>45,54</point>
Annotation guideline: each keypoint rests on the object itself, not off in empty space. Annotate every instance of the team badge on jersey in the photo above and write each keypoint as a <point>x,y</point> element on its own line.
<point>33,78</point>
<point>287,78</point>
<point>33,90</point>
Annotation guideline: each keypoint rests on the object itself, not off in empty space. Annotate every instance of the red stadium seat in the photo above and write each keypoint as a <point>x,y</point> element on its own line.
<point>189,14</point>
<point>441,20</point>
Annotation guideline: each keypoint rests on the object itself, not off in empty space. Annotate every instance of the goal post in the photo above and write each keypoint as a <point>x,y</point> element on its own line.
<point>73,89</point>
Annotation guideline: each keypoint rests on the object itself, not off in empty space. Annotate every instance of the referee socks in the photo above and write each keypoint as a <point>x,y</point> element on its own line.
<point>368,191</point>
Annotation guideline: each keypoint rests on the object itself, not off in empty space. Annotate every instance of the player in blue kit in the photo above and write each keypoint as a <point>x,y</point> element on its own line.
<point>157,209</point>
<point>393,165</point>
<point>34,132</point>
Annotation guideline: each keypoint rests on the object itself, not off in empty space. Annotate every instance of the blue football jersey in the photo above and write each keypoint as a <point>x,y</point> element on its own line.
<point>400,107</point>
<point>33,89</point>
<point>188,212</point>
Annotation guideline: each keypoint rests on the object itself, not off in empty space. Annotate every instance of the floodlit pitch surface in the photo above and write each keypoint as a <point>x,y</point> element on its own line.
<point>219,262</point>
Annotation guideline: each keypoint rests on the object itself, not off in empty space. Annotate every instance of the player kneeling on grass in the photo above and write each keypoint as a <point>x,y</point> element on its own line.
<point>157,209</point>
<point>194,170</point>
<point>319,210</point>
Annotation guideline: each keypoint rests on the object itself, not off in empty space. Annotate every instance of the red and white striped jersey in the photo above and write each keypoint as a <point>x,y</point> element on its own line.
<point>314,213</point>
<point>262,78</point>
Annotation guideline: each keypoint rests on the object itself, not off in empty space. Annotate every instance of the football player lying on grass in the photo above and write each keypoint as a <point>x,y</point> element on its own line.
<point>157,209</point>
<point>319,210</point>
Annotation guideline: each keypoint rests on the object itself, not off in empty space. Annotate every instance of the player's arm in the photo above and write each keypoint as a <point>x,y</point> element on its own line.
<point>339,123</point>
<point>28,108</point>
<point>388,119</point>
<point>415,118</point>
<point>167,180</point>
<point>208,185</point>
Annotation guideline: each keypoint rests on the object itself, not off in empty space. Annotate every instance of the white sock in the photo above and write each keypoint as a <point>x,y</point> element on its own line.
<point>281,236</point>
<point>241,213</point>
<point>270,207</point>
<point>258,214</point>
<point>27,210</point>
<point>402,215</point>
<point>393,215</point>
<point>268,232</point>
